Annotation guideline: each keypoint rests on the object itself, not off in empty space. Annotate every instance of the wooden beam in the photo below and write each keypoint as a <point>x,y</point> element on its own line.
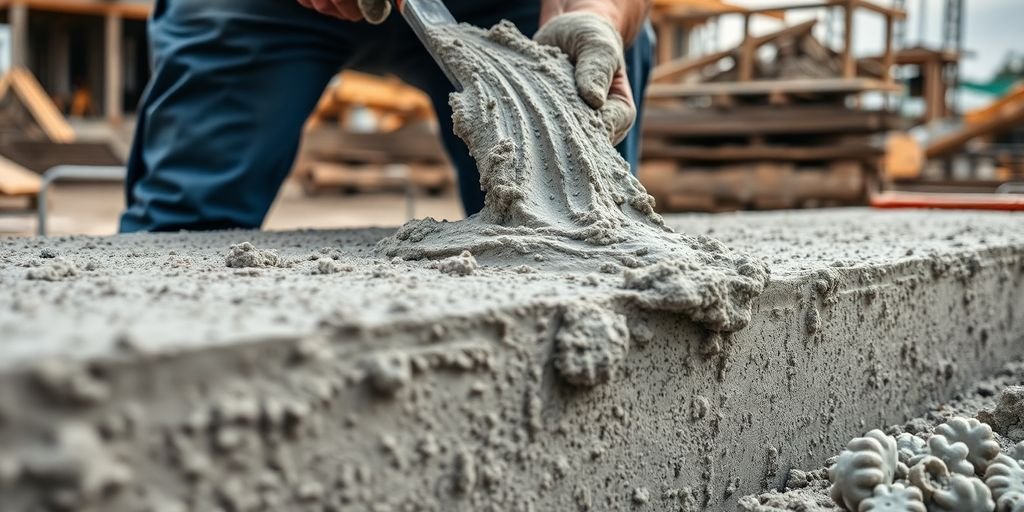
<point>17,17</point>
<point>1005,118</point>
<point>849,63</point>
<point>992,109</point>
<point>114,81</point>
<point>889,57</point>
<point>666,41</point>
<point>898,14</point>
<point>790,31</point>
<point>778,10</point>
<point>762,10</point>
<point>682,67</point>
<point>131,10</point>
<point>685,66</point>
<point>769,87</point>
<point>747,53</point>
<point>17,181</point>
<point>933,93</point>
<point>698,15</point>
<point>23,83</point>
<point>746,121</point>
<point>659,149</point>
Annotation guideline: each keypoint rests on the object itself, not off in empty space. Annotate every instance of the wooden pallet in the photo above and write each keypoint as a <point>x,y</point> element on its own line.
<point>24,101</point>
<point>17,181</point>
<point>775,90</point>
<point>797,120</point>
<point>335,160</point>
<point>754,186</point>
<point>18,184</point>
<point>327,176</point>
<point>40,155</point>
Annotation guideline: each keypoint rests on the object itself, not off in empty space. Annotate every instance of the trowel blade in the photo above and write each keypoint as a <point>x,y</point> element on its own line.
<point>423,15</point>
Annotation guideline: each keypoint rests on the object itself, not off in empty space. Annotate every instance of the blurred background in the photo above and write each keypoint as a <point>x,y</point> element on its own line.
<point>754,104</point>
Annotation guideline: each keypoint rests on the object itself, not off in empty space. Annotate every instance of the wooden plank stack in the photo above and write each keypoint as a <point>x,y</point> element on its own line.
<point>16,181</point>
<point>336,159</point>
<point>34,133</point>
<point>402,150</point>
<point>736,130</point>
<point>761,156</point>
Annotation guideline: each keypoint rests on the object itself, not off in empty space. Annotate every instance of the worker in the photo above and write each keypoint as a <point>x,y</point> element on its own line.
<point>234,81</point>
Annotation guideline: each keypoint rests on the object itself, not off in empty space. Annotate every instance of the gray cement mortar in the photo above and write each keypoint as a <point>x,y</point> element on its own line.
<point>143,373</point>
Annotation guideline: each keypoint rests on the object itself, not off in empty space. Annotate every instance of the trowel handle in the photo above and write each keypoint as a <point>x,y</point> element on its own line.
<point>421,15</point>
<point>424,12</point>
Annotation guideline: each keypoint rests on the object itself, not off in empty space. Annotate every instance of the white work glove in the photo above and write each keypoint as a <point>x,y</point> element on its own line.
<point>373,11</point>
<point>594,46</point>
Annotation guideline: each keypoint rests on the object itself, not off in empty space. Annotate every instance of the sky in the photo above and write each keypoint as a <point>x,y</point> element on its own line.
<point>991,28</point>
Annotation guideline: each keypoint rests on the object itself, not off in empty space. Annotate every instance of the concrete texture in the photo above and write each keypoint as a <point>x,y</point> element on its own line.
<point>144,373</point>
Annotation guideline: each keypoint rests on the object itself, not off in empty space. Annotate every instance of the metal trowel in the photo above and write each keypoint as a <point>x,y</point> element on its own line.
<point>422,15</point>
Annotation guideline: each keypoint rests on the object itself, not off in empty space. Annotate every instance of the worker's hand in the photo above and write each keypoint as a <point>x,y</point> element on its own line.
<point>591,33</point>
<point>373,11</point>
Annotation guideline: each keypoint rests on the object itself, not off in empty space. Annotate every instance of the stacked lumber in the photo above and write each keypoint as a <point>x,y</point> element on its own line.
<point>391,101</point>
<point>25,110</point>
<point>42,154</point>
<point>734,130</point>
<point>762,157</point>
<point>998,117</point>
<point>337,159</point>
<point>16,181</point>
<point>35,135</point>
<point>402,150</point>
<point>364,162</point>
<point>24,105</point>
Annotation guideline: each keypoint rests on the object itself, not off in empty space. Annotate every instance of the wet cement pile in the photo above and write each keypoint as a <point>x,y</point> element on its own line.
<point>283,371</point>
<point>558,195</point>
<point>965,454</point>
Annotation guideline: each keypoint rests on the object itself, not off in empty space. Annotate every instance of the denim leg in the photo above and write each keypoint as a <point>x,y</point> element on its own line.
<point>220,122</point>
<point>639,62</point>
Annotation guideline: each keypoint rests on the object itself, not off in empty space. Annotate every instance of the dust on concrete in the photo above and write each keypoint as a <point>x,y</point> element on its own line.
<point>558,195</point>
<point>462,265</point>
<point>246,255</point>
<point>56,269</point>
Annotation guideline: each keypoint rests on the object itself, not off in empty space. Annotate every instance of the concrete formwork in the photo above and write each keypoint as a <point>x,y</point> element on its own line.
<point>154,377</point>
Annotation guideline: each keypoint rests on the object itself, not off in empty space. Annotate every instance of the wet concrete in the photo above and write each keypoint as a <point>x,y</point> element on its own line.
<point>143,372</point>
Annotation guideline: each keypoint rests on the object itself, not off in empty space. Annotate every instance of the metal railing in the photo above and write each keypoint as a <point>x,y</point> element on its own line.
<point>71,173</point>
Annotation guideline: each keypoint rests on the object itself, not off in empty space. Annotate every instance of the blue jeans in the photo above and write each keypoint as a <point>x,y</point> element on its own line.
<point>234,81</point>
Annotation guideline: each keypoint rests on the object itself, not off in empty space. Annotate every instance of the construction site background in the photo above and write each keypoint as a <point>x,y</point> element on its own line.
<point>753,105</point>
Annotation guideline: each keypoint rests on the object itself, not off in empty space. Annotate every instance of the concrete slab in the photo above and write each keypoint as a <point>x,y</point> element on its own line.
<point>142,373</point>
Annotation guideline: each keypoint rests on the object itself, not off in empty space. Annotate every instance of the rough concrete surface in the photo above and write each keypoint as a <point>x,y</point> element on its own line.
<point>157,377</point>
